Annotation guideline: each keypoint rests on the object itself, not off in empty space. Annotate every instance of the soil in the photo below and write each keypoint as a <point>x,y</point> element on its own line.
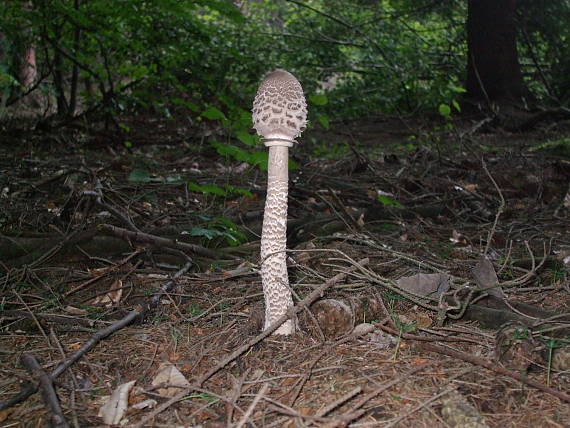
<point>379,199</point>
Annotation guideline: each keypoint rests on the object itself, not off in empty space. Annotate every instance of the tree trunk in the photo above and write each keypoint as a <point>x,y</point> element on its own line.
<point>493,69</point>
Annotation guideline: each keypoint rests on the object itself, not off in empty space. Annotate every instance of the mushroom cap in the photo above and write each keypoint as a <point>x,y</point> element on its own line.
<point>279,108</point>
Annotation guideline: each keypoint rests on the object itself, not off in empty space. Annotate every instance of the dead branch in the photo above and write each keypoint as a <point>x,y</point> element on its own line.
<point>163,242</point>
<point>57,420</point>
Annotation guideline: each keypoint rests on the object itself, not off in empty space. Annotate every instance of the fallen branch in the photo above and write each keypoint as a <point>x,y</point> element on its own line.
<point>162,242</point>
<point>56,420</point>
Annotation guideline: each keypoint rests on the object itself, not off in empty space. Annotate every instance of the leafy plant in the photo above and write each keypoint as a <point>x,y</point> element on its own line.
<point>450,94</point>
<point>219,227</point>
<point>254,158</point>
<point>210,189</point>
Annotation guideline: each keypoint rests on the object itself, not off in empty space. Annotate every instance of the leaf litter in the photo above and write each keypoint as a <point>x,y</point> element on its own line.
<point>463,259</point>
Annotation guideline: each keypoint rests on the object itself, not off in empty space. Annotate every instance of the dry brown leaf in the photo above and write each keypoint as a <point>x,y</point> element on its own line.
<point>4,414</point>
<point>169,375</point>
<point>421,319</point>
<point>114,409</point>
<point>112,297</point>
<point>74,311</point>
<point>425,284</point>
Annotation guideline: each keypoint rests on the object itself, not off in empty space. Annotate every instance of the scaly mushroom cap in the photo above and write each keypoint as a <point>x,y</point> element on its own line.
<point>279,108</point>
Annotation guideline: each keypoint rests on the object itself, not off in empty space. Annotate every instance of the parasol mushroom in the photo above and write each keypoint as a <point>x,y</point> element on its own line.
<point>279,116</point>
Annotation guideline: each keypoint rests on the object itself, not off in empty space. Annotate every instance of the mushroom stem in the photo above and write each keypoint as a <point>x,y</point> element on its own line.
<point>274,241</point>
<point>279,116</point>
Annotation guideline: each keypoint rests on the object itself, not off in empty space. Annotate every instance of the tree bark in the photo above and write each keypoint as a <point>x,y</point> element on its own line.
<point>493,69</point>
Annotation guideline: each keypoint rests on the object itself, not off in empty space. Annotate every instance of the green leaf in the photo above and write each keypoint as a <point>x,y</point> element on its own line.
<point>324,121</point>
<point>190,106</point>
<point>319,99</point>
<point>231,151</point>
<point>213,113</point>
<point>206,189</point>
<point>456,105</point>
<point>385,200</point>
<point>139,176</point>
<point>238,191</point>
<point>229,230</point>
<point>225,9</point>
<point>259,159</point>
<point>246,138</point>
<point>6,80</point>
<point>209,234</point>
<point>255,158</point>
<point>444,110</point>
<point>457,89</point>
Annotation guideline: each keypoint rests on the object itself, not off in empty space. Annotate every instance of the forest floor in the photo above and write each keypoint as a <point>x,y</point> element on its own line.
<point>481,213</point>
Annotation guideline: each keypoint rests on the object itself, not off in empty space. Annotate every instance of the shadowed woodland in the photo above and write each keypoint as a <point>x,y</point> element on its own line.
<point>428,218</point>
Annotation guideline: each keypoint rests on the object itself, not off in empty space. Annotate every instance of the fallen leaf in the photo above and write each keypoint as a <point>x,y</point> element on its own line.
<point>146,404</point>
<point>486,277</point>
<point>112,297</point>
<point>114,409</point>
<point>425,284</point>
<point>421,319</point>
<point>74,311</point>
<point>74,346</point>
<point>4,414</point>
<point>169,375</point>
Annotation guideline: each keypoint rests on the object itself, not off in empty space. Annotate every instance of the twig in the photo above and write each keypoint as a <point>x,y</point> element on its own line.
<point>495,368</point>
<point>499,210</point>
<point>339,402</point>
<point>432,338</point>
<point>303,379</point>
<point>98,195</point>
<point>237,387</point>
<point>32,315</point>
<point>251,407</point>
<point>39,183</point>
